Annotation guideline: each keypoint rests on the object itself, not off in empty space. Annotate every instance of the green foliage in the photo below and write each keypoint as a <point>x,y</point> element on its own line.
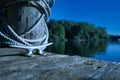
<point>56,30</point>
<point>92,37</point>
<point>78,31</point>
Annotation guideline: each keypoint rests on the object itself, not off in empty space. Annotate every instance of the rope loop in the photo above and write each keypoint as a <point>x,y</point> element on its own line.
<point>11,38</point>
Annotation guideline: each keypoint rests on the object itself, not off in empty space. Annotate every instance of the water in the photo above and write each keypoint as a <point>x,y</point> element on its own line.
<point>108,51</point>
<point>112,53</point>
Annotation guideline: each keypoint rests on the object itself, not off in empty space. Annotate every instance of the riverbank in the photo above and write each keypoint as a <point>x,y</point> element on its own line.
<point>14,66</point>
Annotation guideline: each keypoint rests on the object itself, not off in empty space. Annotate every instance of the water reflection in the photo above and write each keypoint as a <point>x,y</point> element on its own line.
<point>57,47</point>
<point>112,53</point>
<point>84,48</point>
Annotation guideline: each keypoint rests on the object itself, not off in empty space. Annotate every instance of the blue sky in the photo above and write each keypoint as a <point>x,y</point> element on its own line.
<point>104,13</point>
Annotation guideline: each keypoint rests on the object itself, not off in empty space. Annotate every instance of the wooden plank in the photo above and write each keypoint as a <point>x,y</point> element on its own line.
<point>54,67</point>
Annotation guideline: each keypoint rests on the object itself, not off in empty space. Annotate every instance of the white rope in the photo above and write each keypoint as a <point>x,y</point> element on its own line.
<point>13,34</point>
<point>11,41</point>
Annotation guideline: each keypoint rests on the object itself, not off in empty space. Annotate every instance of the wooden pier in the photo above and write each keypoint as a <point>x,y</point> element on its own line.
<point>15,66</point>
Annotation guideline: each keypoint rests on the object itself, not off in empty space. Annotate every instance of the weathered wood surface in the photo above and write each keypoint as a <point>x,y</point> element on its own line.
<point>14,66</point>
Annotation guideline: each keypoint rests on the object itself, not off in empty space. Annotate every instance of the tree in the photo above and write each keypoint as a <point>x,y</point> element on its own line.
<point>76,30</point>
<point>56,30</point>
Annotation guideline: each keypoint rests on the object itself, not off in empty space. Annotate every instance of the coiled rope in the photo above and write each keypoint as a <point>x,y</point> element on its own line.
<point>9,37</point>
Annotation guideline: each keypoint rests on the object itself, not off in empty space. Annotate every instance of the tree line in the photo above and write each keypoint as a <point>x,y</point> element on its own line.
<point>114,37</point>
<point>76,31</point>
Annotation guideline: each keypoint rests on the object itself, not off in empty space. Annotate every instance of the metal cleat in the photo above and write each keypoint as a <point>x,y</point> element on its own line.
<point>29,49</point>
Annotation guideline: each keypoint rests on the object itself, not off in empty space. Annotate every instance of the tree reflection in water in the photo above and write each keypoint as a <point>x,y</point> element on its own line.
<point>58,47</point>
<point>84,48</point>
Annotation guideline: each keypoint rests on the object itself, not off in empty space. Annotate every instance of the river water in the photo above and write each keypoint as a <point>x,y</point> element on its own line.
<point>112,53</point>
<point>108,51</point>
